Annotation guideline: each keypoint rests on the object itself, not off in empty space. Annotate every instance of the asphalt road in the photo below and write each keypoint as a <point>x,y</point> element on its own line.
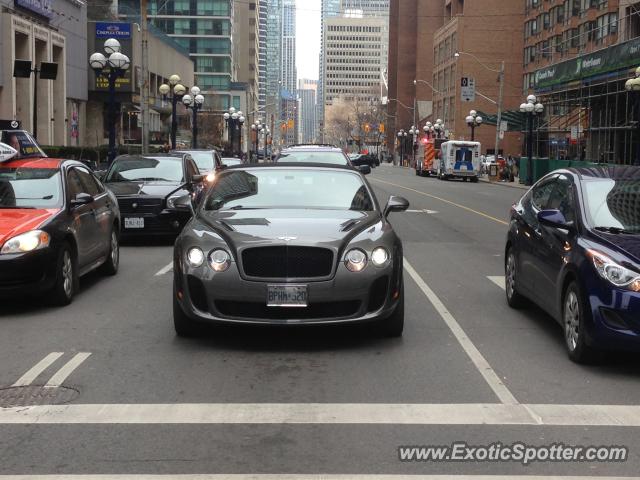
<point>262,403</point>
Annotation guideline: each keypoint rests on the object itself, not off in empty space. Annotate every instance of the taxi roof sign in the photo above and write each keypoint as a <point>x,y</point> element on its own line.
<point>6,152</point>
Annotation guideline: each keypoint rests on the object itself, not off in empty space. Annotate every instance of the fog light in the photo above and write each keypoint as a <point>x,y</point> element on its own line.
<point>211,177</point>
<point>380,256</point>
<point>219,260</point>
<point>195,257</point>
<point>355,260</point>
<point>175,224</point>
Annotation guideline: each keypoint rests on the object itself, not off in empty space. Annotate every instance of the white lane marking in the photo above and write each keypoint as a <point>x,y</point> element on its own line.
<point>428,212</point>
<point>67,369</point>
<point>499,281</point>
<point>165,270</point>
<point>295,476</point>
<point>490,376</point>
<point>37,369</point>
<point>326,413</point>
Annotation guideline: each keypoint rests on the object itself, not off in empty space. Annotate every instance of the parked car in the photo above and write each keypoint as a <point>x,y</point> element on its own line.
<point>57,223</point>
<point>325,154</point>
<point>207,161</point>
<point>573,248</point>
<point>231,161</point>
<point>269,245</point>
<point>147,187</point>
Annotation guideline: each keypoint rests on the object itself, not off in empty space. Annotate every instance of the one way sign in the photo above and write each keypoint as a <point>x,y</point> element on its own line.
<point>468,89</point>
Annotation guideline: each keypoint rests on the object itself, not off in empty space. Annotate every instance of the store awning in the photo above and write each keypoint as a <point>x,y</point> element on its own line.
<point>516,120</point>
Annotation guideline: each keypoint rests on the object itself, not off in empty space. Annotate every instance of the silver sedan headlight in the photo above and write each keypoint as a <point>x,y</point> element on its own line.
<point>355,260</point>
<point>219,260</point>
<point>380,256</point>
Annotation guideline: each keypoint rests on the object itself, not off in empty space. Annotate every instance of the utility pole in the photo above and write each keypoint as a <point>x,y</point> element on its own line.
<point>500,100</point>
<point>144,89</point>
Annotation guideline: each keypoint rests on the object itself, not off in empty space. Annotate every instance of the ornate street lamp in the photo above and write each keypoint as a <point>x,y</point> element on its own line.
<point>257,128</point>
<point>531,109</point>
<point>194,102</point>
<point>177,91</point>
<point>111,68</point>
<point>633,87</point>
<point>473,120</point>
<point>402,136</point>
<point>235,120</point>
<point>439,128</point>
<point>414,132</point>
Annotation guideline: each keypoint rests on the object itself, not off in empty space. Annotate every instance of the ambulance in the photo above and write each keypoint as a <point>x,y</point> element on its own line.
<point>459,159</point>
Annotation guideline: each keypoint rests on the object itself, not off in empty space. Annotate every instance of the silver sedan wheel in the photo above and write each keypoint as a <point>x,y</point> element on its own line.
<point>510,277</point>
<point>67,274</point>
<point>572,320</point>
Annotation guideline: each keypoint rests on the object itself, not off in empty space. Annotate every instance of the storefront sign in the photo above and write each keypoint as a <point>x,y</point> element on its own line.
<point>41,7</point>
<point>113,30</point>
<point>611,59</point>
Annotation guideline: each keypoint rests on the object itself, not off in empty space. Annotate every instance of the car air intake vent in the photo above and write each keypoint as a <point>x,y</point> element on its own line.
<point>287,262</point>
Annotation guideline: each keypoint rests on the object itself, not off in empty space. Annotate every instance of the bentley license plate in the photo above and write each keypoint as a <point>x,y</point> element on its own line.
<point>134,222</point>
<point>286,296</point>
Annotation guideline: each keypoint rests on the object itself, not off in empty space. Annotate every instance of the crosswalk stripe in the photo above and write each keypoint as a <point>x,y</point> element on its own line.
<point>67,369</point>
<point>499,281</point>
<point>327,414</point>
<point>267,476</point>
<point>37,369</point>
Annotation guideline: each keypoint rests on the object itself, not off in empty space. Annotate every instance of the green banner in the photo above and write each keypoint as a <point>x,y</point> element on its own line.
<point>611,59</point>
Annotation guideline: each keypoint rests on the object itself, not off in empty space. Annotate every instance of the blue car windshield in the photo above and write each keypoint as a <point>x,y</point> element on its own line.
<point>613,203</point>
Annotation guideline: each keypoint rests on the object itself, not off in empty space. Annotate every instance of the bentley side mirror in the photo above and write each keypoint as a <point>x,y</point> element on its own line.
<point>81,199</point>
<point>364,169</point>
<point>185,202</point>
<point>396,204</point>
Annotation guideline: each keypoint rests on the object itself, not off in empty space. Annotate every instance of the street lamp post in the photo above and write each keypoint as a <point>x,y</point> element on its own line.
<point>402,135</point>
<point>499,103</point>
<point>256,127</point>
<point>439,128</point>
<point>414,132</point>
<point>194,102</point>
<point>633,86</point>
<point>474,120</point>
<point>531,109</point>
<point>111,68</point>
<point>429,130</point>
<point>177,91</point>
<point>267,134</point>
<point>235,120</point>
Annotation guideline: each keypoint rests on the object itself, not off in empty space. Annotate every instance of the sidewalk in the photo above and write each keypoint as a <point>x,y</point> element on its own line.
<point>515,184</point>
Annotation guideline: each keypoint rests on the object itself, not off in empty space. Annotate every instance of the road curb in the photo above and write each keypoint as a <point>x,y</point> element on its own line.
<point>505,184</point>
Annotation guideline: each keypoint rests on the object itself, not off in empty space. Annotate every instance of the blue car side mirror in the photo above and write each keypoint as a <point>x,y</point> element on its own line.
<point>553,218</point>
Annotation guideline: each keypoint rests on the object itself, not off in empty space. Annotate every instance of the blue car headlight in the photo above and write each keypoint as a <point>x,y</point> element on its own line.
<point>613,272</point>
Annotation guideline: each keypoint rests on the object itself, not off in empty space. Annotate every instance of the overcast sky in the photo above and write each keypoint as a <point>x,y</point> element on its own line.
<point>307,38</point>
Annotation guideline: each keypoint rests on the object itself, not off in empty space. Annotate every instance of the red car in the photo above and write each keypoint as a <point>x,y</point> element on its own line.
<point>57,222</point>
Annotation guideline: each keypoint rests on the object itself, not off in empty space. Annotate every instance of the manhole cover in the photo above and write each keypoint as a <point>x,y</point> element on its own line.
<point>36,395</point>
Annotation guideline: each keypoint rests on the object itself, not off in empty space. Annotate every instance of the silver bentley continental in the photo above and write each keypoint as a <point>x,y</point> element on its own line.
<point>289,244</point>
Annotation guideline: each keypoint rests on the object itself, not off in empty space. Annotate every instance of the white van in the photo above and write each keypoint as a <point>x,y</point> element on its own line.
<point>460,159</point>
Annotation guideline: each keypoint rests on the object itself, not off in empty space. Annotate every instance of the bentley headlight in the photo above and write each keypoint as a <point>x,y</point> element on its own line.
<point>195,257</point>
<point>219,260</point>
<point>379,256</point>
<point>27,242</point>
<point>615,273</point>
<point>355,260</point>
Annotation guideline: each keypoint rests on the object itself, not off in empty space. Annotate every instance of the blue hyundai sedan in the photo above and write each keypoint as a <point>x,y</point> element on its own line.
<point>573,248</point>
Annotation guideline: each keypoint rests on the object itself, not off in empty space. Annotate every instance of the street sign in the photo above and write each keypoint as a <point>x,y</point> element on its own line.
<point>504,126</point>
<point>468,89</point>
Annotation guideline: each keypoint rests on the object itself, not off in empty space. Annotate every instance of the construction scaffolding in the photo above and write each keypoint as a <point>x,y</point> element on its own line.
<point>592,120</point>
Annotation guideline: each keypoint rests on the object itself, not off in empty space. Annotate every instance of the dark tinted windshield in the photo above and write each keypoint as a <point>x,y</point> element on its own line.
<point>280,188</point>
<point>613,203</point>
<point>30,188</point>
<point>146,169</point>
<point>24,143</point>
<point>301,156</point>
